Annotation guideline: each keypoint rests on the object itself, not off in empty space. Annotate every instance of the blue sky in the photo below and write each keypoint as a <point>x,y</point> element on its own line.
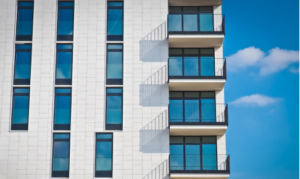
<point>261,45</point>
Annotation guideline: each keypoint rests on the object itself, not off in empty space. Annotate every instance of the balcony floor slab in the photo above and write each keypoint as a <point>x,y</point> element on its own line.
<point>189,130</point>
<point>199,176</point>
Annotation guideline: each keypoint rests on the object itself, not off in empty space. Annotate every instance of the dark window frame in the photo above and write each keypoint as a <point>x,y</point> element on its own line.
<point>201,150</point>
<point>59,174</point>
<point>183,98</point>
<point>199,55</point>
<point>115,81</point>
<point>192,13</point>
<point>24,37</point>
<point>59,127</point>
<point>22,81</point>
<point>20,126</point>
<point>114,126</point>
<point>64,81</point>
<point>65,37</point>
<point>105,174</point>
<point>115,37</point>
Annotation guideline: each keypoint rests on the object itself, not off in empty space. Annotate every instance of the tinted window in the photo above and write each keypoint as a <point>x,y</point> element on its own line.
<point>64,64</point>
<point>62,113</point>
<point>24,22</point>
<point>104,155</point>
<point>115,21</point>
<point>65,21</point>
<point>20,109</point>
<point>22,65</point>
<point>114,74</point>
<point>60,161</point>
<point>114,107</point>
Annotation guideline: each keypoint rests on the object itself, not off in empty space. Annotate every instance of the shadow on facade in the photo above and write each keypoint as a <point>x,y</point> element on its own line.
<point>154,46</point>
<point>160,172</point>
<point>154,88</point>
<point>154,136</point>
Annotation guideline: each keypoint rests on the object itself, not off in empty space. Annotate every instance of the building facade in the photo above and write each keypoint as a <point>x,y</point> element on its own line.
<point>112,89</point>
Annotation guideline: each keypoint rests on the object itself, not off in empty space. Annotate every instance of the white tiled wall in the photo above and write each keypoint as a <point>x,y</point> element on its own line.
<point>141,150</point>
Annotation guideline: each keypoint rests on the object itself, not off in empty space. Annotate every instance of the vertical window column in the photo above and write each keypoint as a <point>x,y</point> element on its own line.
<point>115,21</point>
<point>114,109</point>
<point>61,155</point>
<point>114,75</point>
<point>24,21</point>
<point>64,64</point>
<point>65,21</point>
<point>22,64</point>
<point>20,110</point>
<point>62,113</point>
<point>104,150</point>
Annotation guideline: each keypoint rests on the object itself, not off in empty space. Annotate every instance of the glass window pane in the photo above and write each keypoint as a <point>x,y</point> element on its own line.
<point>190,22</point>
<point>115,22</point>
<point>64,65</point>
<point>206,9</point>
<point>191,94</point>
<point>23,46</point>
<point>208,95</point>
<point>64,46</point>
<point>208,110</point>
<point>104,156</point>
<point>114,110</point>
<point>61,155</point>
<point>192,139</point>
<point>176,95</point>
<point>62,110</point>
<point>207,66</point>
<point>114,90</point>
<point>61,136</point>
<point>21,90</point>
<point>206,22</point>
<point>191,66</point>
<point>176,139</point>
<point>209,157</point>
<point>114,65</point>
<point>66,3</point>
<point>62,90</point>
<point>65,22</point>
<point>192,157</point>
<point>176,111</point>
<point>115,46</point>
<point>207,51</point>
<point>175,22</point>
<point>22,66</point>
<point>25,3</point>
<point>104,136</point>
<point>175,66</point>
<point>20,110</point>
<point>174,9</point>
<point>175,51</point>
<point>24,26</point>
<point>190,9</point>
<point>191,51</point>
<point>114,4</point>
<point>209,139</point>
<point>176,157</point>
<point>191,110</point>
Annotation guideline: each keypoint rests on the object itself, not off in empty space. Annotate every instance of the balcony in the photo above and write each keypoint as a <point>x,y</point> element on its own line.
<point>195,2</point>
<point>199,166</point>
<point>195,120</point>
<point>194,29</point>
<point>196,74</point>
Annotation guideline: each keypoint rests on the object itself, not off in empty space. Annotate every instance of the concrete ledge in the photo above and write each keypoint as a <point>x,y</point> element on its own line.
<point>199,176</point>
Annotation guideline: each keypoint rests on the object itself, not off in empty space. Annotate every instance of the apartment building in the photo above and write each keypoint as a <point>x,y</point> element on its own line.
<point>129,89</point>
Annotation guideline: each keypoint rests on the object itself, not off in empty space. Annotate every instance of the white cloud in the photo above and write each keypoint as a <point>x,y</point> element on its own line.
<point>256,99</point>
<point>274,61</point>
<point>294,70</point>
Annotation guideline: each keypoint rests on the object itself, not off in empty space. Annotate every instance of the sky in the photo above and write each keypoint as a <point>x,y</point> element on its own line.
<point>261,46</point>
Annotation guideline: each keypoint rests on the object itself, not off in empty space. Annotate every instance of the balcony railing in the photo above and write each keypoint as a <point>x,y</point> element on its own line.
<point>196,163</point>
<point>196,23</point>
<point>198,114</point>
<point>197,68</point>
